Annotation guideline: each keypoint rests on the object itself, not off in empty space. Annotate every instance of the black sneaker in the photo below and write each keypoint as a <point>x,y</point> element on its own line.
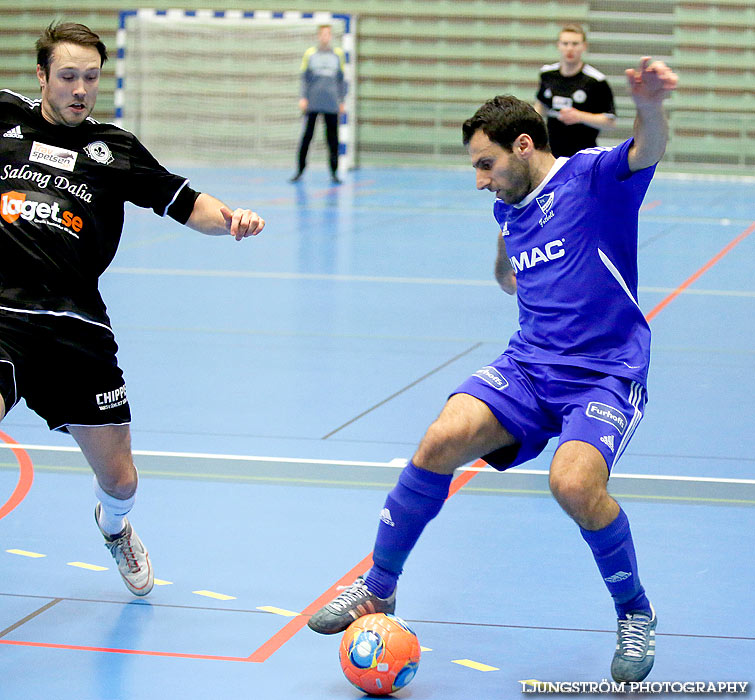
<point>635,647</point>
<point>354,602</point>
<point>296,177</point>
<point>334,180</point>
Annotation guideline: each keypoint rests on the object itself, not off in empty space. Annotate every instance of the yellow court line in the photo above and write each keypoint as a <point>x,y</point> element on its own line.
<point>476,665</point>
<point>216,596</point>
<point>160,582</point>
<point>278,611</point>
<point>90,567</point>
<point>24,553</point>
<point>424,649</point>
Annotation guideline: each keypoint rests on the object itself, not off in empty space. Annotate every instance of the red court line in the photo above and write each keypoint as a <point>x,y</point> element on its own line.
<point>716,258</point>
<point>650,205</point>
<point>291,628</point>
<point>136,652</point>
<point>288,631</point>
<point>25,476</point>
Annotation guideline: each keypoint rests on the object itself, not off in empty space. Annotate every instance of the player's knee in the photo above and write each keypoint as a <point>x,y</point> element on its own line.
<point>120,482</point>
<point>577,496</point>
<point>440,447</point>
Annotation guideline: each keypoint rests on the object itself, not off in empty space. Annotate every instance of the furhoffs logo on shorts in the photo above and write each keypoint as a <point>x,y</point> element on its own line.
<point>608,414</point>
<point>490,375</point>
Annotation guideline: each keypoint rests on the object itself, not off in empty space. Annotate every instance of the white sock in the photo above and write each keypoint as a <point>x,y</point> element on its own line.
<point>113,510</point>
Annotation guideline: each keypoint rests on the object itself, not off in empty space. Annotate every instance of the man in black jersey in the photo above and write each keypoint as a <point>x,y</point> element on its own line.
<point>64,179</point>
<point>574,98</point>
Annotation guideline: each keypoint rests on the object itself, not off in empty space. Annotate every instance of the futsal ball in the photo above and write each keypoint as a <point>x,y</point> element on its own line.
<point>379,653</point>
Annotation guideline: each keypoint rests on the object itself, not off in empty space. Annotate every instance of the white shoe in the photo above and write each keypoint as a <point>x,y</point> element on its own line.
<point>131,556</point>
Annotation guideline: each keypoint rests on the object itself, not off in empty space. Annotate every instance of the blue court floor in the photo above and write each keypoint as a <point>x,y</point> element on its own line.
<point>277,387</point>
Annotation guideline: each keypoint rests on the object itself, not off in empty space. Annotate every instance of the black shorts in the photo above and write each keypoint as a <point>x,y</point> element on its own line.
<point>65,369</point>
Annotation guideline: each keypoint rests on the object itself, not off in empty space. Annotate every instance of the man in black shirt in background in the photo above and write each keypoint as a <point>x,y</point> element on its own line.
<point>574,98</point>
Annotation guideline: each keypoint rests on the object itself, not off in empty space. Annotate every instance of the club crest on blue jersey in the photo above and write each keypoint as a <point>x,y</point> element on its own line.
<point>545,202</point>
<point>490,375</point>
<point>608,414</point>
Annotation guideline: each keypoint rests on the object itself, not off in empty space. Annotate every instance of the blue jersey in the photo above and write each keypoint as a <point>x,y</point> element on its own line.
<point>573,245</point>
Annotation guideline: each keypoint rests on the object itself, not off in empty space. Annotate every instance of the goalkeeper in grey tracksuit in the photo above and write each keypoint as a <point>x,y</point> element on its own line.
<point>323,90</point>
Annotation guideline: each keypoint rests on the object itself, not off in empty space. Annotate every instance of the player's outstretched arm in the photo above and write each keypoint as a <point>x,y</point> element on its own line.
<point>214,218</point>
<point>652,83</point>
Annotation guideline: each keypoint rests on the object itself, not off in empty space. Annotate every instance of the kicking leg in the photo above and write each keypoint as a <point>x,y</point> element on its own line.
<point>108,451</point>
<point>465,430</point>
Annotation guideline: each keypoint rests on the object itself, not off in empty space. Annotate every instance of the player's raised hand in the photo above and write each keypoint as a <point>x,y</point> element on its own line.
<point>652,83</point>
<point>241,223</point>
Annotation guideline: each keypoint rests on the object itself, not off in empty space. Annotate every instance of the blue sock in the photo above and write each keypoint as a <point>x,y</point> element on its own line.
<point>614,554</point>
<point>415,500</point>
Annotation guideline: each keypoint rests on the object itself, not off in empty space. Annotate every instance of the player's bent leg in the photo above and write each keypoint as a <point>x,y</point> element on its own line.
<point>578,481</point>
<point>2,407</point>
<point>108,451</point>
<point>464,430</point>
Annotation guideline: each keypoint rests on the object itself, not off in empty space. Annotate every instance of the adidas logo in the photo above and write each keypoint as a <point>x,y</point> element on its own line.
<point>385,516</point>
<point>618,576</point>
<point>608,440</point>
<point>14,133</point>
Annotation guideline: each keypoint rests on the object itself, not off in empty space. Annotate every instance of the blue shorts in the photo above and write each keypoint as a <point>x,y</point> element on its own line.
<point>536,402</point>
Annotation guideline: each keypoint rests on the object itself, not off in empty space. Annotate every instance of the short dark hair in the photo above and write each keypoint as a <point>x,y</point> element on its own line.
<point>505,117</point>
<point>66,32</point>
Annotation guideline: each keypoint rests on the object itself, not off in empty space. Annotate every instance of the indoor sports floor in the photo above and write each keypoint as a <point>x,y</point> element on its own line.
<point>277,386</point>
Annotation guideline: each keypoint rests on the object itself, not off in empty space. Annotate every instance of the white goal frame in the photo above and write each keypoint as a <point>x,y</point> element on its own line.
<point>347,122</point>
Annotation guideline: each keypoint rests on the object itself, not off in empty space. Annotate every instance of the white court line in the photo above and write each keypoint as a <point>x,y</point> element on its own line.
<point>397,463</point>
<point>440,281</point>
<point>232,458</point>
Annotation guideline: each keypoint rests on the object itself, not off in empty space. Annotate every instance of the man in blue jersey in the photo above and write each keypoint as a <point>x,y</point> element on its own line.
<point>576,368</point>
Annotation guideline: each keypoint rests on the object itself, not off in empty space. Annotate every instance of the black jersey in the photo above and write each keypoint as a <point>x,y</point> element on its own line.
<point>62,195</point>
<point>587,91</point>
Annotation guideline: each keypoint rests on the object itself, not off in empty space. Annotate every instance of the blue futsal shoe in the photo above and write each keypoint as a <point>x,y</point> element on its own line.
<point>635,647</point>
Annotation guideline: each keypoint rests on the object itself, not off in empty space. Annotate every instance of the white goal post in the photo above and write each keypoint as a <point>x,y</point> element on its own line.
<point>206,87</point>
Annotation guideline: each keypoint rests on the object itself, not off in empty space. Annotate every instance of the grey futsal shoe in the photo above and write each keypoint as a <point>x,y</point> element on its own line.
<point>131,556</point>
<point>354,602</point>
<point>635,647</point>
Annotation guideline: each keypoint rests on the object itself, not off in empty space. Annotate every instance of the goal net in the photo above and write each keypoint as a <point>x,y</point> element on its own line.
<point>222,88</point>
